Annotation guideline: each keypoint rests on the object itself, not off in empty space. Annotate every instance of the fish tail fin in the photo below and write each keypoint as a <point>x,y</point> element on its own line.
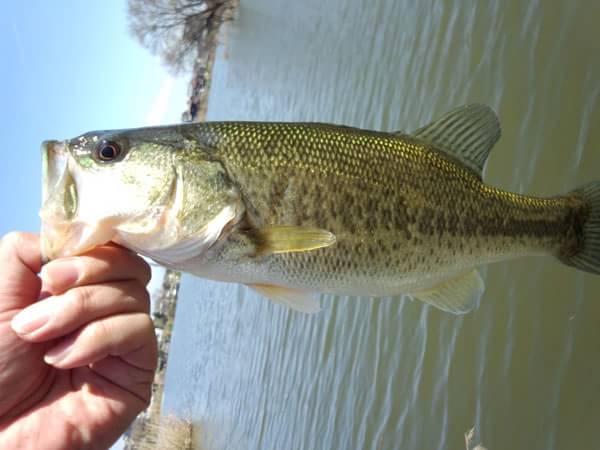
<point>587,258</point>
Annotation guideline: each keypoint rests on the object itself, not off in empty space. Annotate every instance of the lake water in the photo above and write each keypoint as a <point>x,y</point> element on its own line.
<point>524,368</point>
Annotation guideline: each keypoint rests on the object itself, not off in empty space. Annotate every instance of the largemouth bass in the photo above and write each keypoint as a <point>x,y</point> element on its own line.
<point>291,209</point>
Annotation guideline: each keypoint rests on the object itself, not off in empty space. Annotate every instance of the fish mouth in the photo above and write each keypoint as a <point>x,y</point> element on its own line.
<point>61,234</point>
<point>54,165</point>
<point>54,178</point>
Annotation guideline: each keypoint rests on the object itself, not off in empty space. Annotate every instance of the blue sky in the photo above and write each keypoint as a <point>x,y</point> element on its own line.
<point>69,67</point>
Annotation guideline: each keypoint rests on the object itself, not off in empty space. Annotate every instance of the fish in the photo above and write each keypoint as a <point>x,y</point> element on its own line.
<point>293,210</point>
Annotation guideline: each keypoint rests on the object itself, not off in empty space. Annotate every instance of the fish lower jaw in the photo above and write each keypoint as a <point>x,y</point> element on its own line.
<point>62,239</point>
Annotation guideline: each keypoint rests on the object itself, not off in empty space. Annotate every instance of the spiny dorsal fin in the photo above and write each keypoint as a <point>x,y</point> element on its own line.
<point>467,133</point>
<point>458,295</point>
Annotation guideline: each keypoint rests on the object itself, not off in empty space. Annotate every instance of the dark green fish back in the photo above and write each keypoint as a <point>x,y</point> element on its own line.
<point>396,204</point>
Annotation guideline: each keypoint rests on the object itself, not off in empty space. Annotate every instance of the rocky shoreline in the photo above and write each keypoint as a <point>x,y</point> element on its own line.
<point>144,432</point>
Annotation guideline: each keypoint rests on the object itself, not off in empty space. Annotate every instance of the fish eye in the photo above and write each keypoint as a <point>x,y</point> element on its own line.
<point>107,151</point>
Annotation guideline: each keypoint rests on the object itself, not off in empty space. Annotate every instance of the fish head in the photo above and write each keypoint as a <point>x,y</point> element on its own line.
<point>132,187</point>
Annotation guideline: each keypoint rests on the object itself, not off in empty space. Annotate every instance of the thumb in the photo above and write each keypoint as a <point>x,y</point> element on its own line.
<point>20,262</point>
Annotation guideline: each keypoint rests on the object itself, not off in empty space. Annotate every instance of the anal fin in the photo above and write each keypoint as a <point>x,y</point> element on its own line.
<point>457,295</point>
<point>297,299</point>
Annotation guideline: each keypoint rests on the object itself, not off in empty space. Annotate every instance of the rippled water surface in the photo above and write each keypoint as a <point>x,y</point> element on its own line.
<point>524,368</point>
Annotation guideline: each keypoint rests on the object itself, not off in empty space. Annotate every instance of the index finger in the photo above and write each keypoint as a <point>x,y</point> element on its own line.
<point>103,264</point>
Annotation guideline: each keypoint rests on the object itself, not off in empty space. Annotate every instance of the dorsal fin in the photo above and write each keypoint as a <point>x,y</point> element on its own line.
<point>467,133</point>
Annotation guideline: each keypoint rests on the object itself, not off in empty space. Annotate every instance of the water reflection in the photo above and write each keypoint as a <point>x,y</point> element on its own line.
<point>523,368</point>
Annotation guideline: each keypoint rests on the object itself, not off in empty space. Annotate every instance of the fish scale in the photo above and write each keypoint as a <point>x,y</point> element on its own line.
<point>400,209</point>
<point>295,208</point>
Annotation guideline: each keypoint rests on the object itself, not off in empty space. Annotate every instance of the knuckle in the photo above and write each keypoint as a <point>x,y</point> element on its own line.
<point>138,296</point>
<point>97,330</point>
<point>148,323</point>
<point>145,270</point>
<point>10,241</point>
<point>146,396</point>
<point>80,300</point>
<point>146,326</point>
<point>147,273</point>
<point>144,322</point>
<point>87,267</point>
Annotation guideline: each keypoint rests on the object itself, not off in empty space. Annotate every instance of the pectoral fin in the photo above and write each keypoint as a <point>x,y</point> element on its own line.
<point>297,299</point>
<point>458,295</point>
<point>288,239</point>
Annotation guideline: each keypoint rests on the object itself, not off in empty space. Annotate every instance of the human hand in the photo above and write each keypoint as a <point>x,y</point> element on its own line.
<point>76,367</point>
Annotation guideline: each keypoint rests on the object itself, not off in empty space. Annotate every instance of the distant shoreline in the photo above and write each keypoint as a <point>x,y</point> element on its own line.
<point>149,426</point>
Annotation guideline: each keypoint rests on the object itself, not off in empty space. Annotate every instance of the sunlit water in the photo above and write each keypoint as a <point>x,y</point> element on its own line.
<point>524,368</point>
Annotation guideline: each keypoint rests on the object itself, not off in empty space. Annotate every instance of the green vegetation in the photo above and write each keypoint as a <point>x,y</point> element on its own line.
<point>167,433</point>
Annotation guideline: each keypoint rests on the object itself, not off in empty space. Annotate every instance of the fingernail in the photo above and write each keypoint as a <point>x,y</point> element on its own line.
<point>59,353</point>
<point>60,274</point>
<point>32,318</point>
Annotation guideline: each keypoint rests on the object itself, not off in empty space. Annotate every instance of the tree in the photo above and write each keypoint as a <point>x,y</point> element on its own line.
<point>176,30</point>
